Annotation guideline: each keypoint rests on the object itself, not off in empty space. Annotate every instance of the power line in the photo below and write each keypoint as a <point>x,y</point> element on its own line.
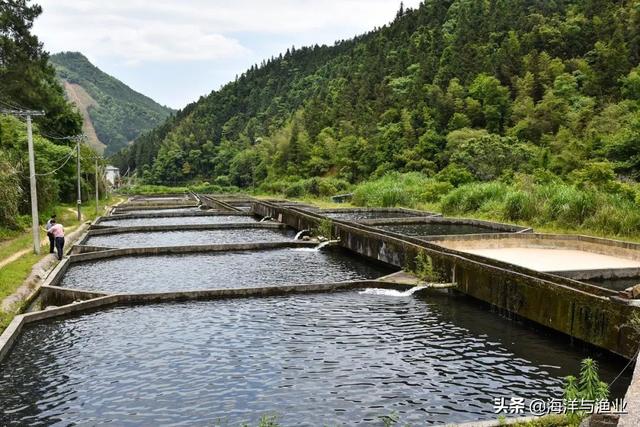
<point>58,168</point>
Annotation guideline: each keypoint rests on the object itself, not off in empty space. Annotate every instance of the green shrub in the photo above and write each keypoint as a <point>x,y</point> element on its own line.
<point>396,189</point>
<point>297,189</point>
<point>520,206</point>
<point>147,189</point>
<point>588,387</point>
<point>570,206</point>
<point>471,197</point>
<point>325,228</point>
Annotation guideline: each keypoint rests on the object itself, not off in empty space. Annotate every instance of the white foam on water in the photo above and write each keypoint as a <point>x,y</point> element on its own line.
<point>322,245</point>
<point>299,234</point>
<point>391,292</point>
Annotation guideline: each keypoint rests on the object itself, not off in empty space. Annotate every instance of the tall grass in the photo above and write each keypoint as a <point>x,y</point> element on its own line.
<point>561,206</point>
<point>552,205</point>
<point>396,189</point>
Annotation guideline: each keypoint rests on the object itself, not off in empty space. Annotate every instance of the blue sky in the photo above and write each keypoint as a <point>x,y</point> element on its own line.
<point>175,51</point>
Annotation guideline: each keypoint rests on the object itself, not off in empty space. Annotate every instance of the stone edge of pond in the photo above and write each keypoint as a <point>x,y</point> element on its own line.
<point>110,218</point>
<point>105,252</point>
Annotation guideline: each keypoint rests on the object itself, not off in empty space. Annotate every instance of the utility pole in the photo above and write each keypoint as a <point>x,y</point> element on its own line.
<point>97,202</point>
<point>78,176</point>
<point>35,226</point>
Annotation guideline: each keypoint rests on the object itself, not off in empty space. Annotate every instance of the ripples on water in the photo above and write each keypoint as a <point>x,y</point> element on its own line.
<point>436,229</point>
<point>179,238</point>
<point>179,220</point>
<point>219,270</point>
<point>322,359</point>
<point>358,216</point>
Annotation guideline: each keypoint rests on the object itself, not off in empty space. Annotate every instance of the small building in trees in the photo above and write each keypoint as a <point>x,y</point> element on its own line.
<point>112,174</point>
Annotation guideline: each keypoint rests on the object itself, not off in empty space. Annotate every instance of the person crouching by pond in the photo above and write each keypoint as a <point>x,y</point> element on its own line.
<point>58,234</point>
<point>52,240</point>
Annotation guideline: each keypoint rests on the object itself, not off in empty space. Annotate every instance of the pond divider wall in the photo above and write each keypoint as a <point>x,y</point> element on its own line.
<point>582,311</point>
<point>215,203</point>
<point>127,208</point>
<point>106,220</point>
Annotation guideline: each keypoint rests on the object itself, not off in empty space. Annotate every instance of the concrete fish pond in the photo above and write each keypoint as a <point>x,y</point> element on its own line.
<point>189,237</point>
<point>359,214</point>
<point>431,229</point>
<point>159,211</point>
<point>234,269</point>
<point>178,220</point>
<point>174,316</point>
<point>344,358</point>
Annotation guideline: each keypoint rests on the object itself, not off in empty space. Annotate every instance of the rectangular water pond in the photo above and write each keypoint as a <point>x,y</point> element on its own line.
<point>191,237</point>
<point>342,358</point>
<point>244,269</point>
<point>161,211</point>
<point>178,220</point>
<point>369,214</point>
<point>436,229</point>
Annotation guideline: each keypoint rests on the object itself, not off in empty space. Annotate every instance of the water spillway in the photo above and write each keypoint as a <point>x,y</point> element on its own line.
<point>240,269</point>
<point>178,220</point>
<point>322,359</point>
<point>191,237</point>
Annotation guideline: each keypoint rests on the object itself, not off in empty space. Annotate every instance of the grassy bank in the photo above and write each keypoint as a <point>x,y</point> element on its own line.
<point>609,209</point>
<point>13,274</point>
<point>592,202</point>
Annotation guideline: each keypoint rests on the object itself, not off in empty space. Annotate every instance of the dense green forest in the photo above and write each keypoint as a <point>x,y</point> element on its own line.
<point>29,82</point>
<point>519,108</point>
<point>120,113</point>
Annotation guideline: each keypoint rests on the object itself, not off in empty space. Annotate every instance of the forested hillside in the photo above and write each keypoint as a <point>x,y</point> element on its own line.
<point>529,93</point>
<point>114,113</point>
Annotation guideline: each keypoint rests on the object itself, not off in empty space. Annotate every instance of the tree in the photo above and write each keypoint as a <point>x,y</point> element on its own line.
<point>27,78</point>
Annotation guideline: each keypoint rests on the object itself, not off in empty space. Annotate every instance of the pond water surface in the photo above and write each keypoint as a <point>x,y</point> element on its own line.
<point>190,237</point>
<point>322,359</point>
<point>178,220</point>
<point>372,214</point>
<point>243,269</point>
<point>436,229</point>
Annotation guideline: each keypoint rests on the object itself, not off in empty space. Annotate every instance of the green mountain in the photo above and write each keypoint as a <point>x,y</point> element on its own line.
<point>114,114</point>
<point>461,90</point>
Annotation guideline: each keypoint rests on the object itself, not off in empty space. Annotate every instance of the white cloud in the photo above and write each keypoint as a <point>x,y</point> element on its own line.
<point>202,44</point>
<point>161,30</point>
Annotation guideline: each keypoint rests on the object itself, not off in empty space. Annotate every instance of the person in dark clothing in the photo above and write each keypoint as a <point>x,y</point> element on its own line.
<point>58,233</point>
<point>48,226</point>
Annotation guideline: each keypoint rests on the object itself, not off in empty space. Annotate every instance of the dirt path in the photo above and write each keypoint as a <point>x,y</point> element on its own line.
<point>40,271</point>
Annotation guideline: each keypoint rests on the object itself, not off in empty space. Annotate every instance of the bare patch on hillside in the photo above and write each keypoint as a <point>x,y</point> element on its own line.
<point>83,101</point>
